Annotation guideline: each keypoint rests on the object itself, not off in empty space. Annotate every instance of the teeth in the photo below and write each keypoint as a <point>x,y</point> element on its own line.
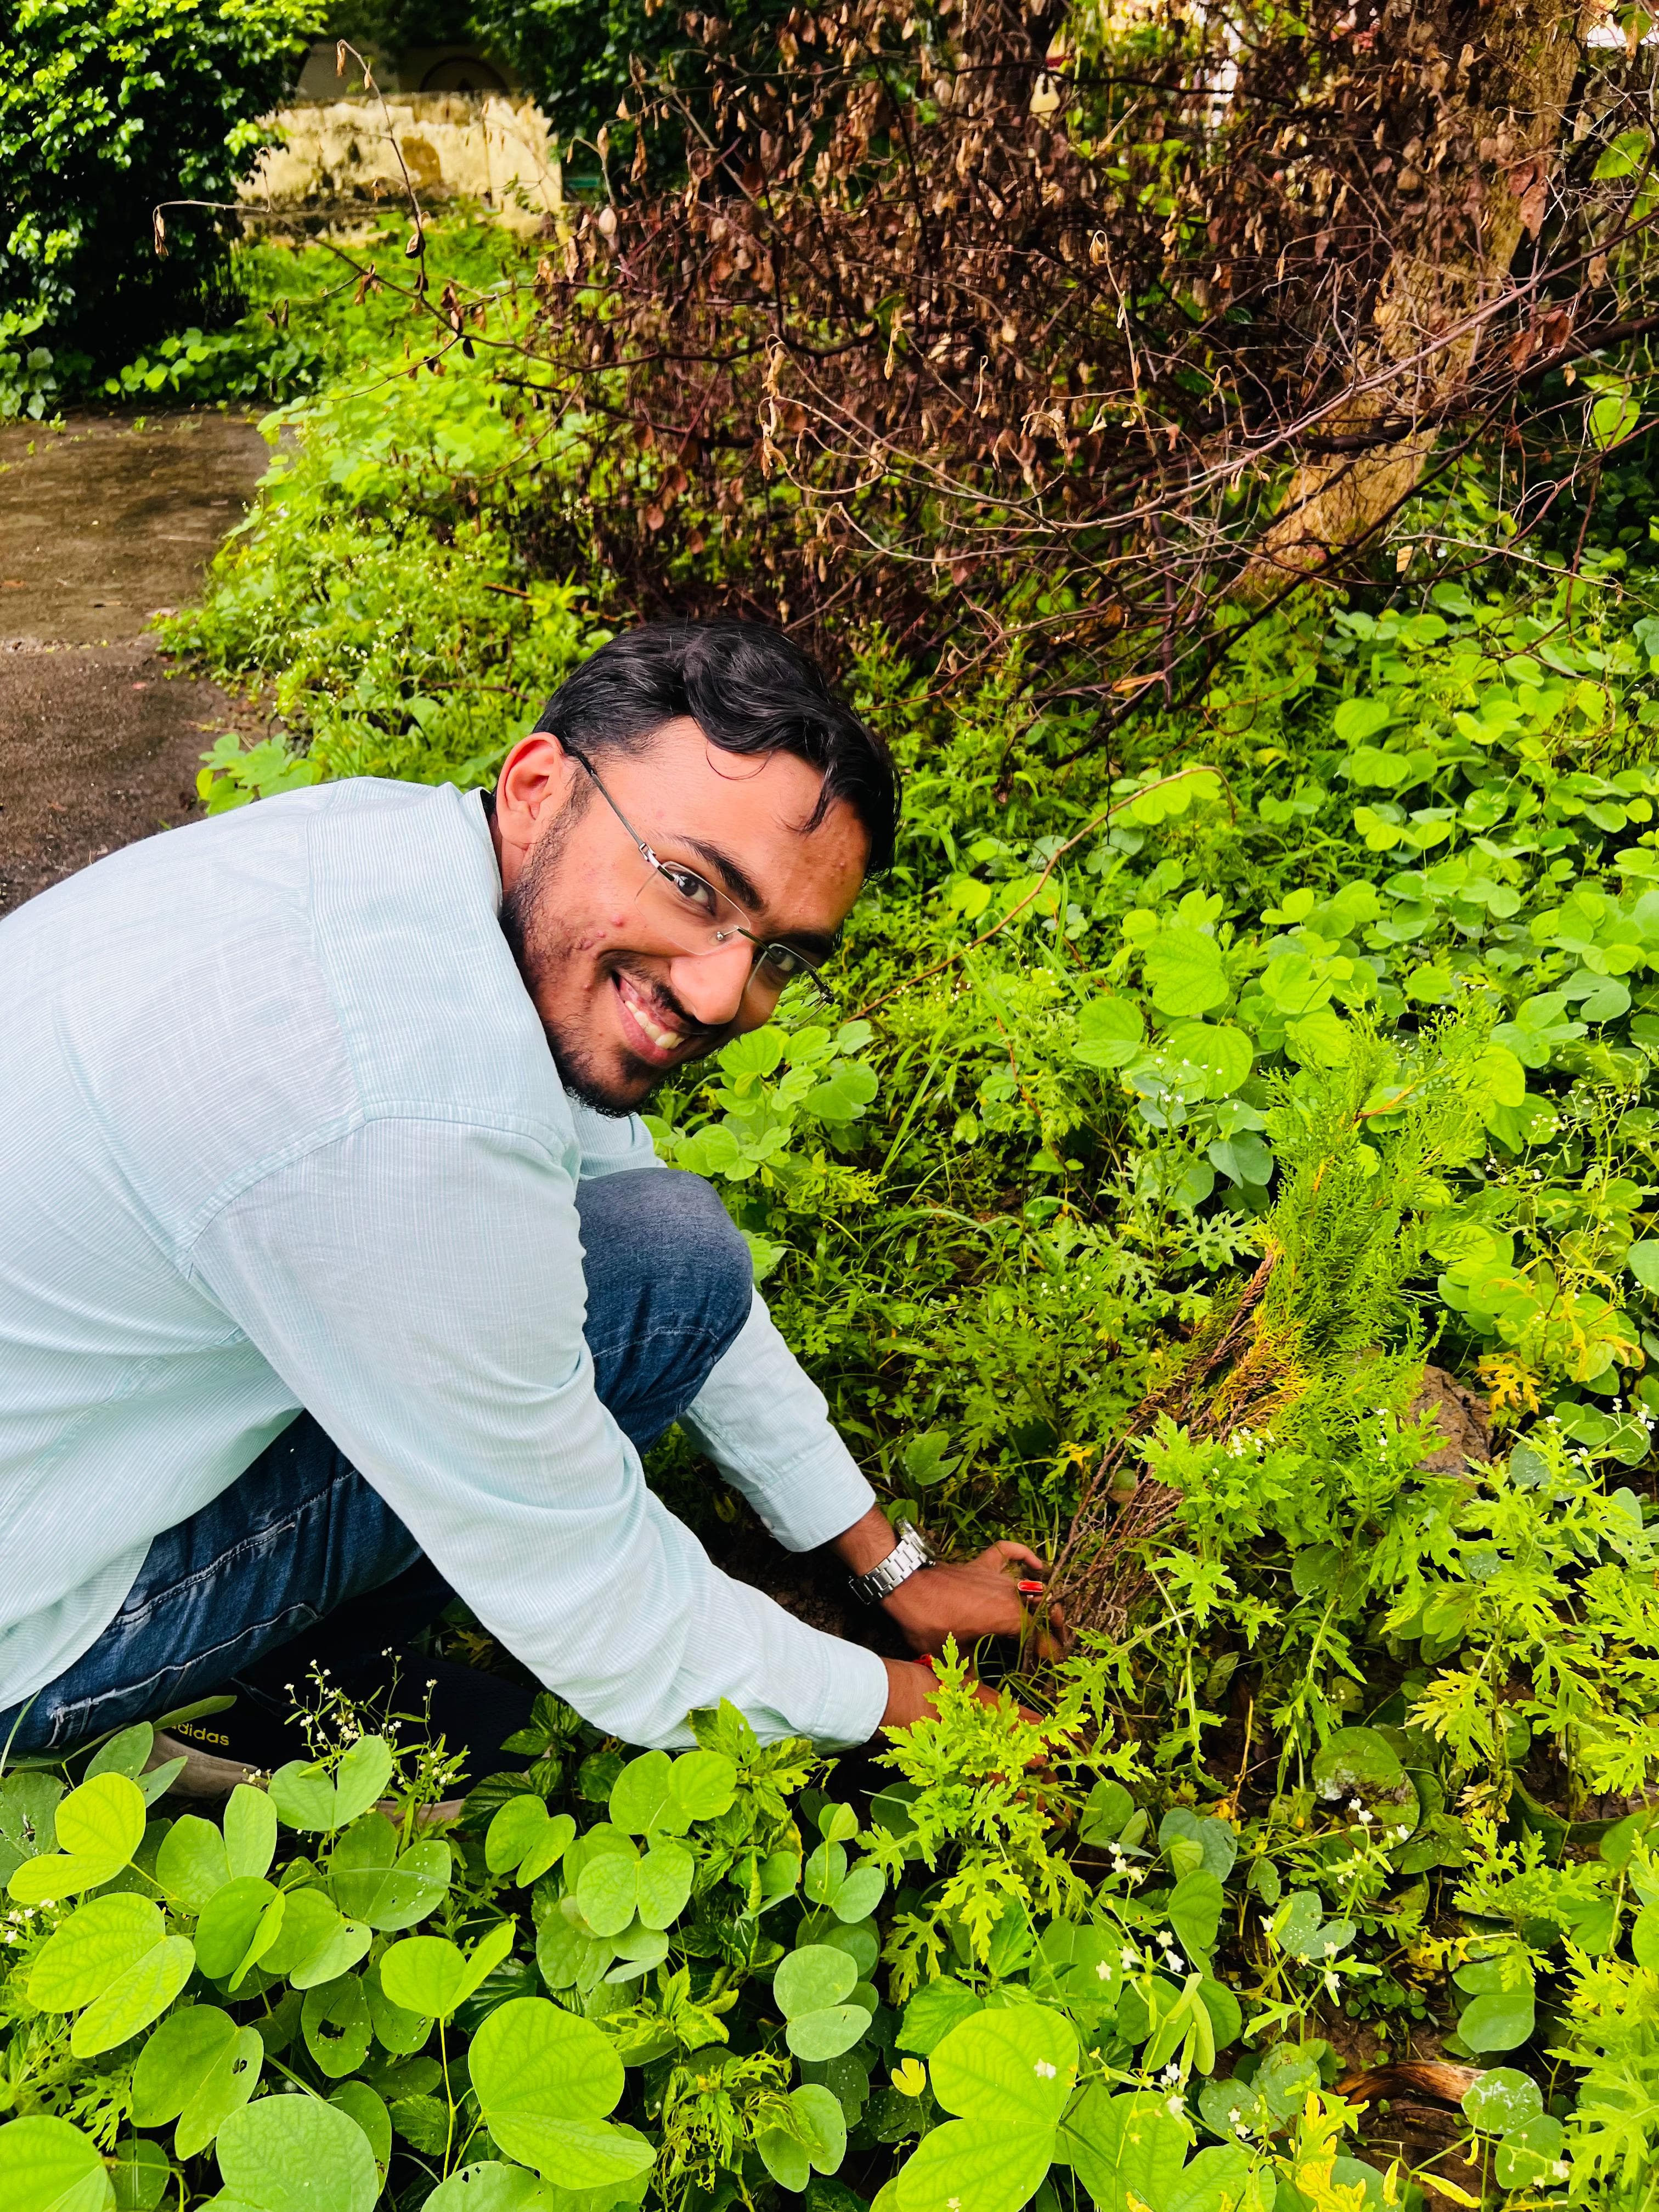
<point>664,1040</point>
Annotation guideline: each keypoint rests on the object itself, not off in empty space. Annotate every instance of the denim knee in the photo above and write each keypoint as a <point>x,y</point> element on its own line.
<point>665,1264</point>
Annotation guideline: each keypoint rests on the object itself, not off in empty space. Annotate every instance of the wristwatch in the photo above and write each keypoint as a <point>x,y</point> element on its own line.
<point>910,1554</point>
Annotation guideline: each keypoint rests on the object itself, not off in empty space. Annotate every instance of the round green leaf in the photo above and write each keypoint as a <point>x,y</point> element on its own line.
<point>177,2060</point>
<point>361,2103</point>
<point>1502,2098</point>
<point>819,2116</point>
<point>523,1834</point>
<point>639,1792</point>
<point>250,1830</point>
<point>235,1923</point>
<point>430,1975</point>
<point>701,1785</point>
<point>192,1864</point>
<point>826,2032</point>
<point>100,1826</point>
<point>492,2187</point>
<point>1017,2067</point>
<point>295,2154</point>
<point>1357,1762</point>
<point>103,1819</point>
<point>1215,2181</point>
<point>1644,1936</point>
<point>608,1891</point>
<point>312,1797</point>
<point>347,1943</point>
<point>47,2166</point>
<point>141,2172</point>
<point>1532,2155</point>
<point>785,2159</point>
<point>1217,1050</point>
<point>544,2079</point>
<point>309,1919</point>
<point>395,2030</point>
<point>1185,972</point>
<point>360,1778</point>
<point>978,2164</point>
<point>817,1975</point>
<point>141,1994</point>
<point>224,2089</point>
<point>859,1894</point>
<point>1500,2021</point>
<point>91,1950</point>
<point>384,1888</point>
<point>664,1883</point>
<point>335,2021</point>
<point>1194,1912</point>
<point>1119,2143</point>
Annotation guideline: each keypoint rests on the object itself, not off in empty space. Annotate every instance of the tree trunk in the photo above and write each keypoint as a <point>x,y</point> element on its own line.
<point>1492,84</point>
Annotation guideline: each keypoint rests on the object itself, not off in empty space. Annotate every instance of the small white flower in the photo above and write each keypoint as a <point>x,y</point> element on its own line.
<point>1367,1819</point>
<point>1043,2070</point>
<point>1128,1958</point>
<point>1103,1972</point>
<point>1177,2106</point>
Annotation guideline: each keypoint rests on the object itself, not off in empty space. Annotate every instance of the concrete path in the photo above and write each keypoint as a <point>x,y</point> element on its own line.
<point>102,525</point>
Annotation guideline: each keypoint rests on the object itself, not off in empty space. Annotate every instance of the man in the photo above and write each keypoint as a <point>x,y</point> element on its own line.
<point>335,1272</point>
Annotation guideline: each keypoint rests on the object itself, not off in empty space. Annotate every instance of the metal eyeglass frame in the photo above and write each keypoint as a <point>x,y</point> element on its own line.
<point>722,901</point>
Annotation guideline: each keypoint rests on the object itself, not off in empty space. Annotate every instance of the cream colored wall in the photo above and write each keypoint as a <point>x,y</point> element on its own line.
<point>340,153</point>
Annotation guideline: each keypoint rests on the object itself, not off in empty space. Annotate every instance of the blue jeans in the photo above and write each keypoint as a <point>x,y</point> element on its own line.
<point>301,1534</point>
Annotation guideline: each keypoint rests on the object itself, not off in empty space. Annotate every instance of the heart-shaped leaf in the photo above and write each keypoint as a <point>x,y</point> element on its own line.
<point>297,2154</point>
<point>93,1948</point>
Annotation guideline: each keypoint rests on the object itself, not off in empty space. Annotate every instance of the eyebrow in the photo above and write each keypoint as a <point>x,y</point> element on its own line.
<point>816,944</point>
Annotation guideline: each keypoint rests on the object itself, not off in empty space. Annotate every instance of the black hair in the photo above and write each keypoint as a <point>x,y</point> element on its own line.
<point>749,689</point>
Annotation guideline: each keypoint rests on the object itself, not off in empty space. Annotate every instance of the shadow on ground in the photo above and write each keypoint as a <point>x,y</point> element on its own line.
<point>103,524</point>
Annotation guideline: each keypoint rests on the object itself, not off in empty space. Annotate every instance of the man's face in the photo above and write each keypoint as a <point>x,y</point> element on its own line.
<point>622,1006</point>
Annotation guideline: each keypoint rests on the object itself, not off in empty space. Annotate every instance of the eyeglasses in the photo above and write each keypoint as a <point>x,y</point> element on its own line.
<point>698,918</point>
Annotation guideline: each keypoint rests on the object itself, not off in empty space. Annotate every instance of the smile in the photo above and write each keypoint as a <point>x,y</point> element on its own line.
<point>654,1041</point>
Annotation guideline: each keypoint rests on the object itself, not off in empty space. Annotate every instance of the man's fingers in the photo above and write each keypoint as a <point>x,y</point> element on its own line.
<point>1003,1553</point>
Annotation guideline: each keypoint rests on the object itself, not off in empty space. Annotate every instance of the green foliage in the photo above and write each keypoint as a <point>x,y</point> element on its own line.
<point>1371,993</point>
<point>108,108</point>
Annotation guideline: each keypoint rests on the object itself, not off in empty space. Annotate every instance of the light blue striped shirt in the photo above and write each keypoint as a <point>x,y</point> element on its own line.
<point>279,1128</point>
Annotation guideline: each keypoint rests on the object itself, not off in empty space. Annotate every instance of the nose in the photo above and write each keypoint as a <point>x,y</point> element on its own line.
<point>711,985</point>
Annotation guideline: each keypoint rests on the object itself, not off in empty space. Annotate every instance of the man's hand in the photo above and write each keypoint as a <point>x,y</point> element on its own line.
<point>911,1684</point>
<point>979,1597</point>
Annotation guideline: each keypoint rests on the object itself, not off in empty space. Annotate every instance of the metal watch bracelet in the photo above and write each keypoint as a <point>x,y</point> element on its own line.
<point>908,1556</point>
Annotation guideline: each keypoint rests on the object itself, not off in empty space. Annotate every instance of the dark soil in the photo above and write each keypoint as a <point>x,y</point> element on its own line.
<point>103,525</point>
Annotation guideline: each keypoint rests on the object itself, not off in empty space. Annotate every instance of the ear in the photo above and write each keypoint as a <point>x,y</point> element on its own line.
<point>533,789</point>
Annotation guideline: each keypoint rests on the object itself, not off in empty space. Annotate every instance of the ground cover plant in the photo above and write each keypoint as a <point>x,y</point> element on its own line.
<point>1233,1165</point>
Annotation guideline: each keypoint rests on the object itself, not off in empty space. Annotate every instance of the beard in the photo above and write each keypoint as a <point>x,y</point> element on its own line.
<point>541,941</point>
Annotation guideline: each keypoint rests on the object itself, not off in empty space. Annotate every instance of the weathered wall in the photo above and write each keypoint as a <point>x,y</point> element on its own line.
<point>340,154</point>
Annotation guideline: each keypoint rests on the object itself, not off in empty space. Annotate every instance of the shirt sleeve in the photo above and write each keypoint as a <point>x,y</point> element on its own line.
<point>759,1417</point>
<point>765,1424</point>
<point>417,1284</point>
